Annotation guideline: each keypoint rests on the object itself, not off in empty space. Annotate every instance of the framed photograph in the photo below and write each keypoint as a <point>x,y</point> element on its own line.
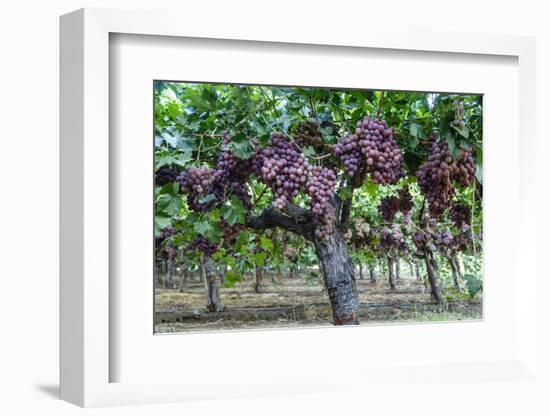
<point>311,199</point>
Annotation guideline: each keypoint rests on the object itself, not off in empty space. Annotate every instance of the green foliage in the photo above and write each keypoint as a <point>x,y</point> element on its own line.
<point>191,118</point>
<point>473,284</point>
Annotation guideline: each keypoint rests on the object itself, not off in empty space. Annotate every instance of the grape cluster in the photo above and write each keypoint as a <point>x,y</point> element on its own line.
<point>362,228</point>
<point>419,238</point>
<point>363,234</point>
<point>160,246</point>
<point>284,168</point>
<point>320,187</point>
<point>165,174</point>
<point>230,232</point>
<point>463,241</point>
<point>460,215</point>
<point>392,238</point>
<point>374,147</point>
<point>308,134</point>
<point>405,201</point>
<point>436,176</point>
<point>443,238</point>
<point>197,181</point>
<point>459,115</point>
<point>227,161</point>
<point>389,207</point>
<point>171,251</point>
<point>203,245</point>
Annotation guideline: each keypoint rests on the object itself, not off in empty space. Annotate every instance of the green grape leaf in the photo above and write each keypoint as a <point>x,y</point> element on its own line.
<point>234,212</point>
<point>161,223</point>
<point>473,284</point>
<point>266,244</point>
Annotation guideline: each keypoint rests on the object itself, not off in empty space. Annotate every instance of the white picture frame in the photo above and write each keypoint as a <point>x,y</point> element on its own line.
<point>86,356</point>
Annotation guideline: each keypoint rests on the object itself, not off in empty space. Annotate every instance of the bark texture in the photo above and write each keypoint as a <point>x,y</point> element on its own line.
<point>169,272</point>
<point>455,271</point>
<point>339,279</point>
<point>258,279</point>
<point>184,277</point>
<point>417,271</point>
<point>397,269</point>
<point>336,265</point>
<point>211,285</point>
<point>372,273</point>
<point>432,270</point>
<point>391,274</point>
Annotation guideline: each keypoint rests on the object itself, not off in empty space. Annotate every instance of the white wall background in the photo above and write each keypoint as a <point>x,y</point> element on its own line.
<point>29,56</point>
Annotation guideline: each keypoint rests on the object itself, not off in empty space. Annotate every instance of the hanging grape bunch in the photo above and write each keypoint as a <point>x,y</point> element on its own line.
<point>308,134</point>
<point>443,238</point>
<point>419,238</point>
<point>227,161</point>
<point>459,115</point>
<point>363,234</point>
<point>204,246</point>
<point>230,232</point>
<point>462,241</point>
<point>392,238</point>
<point>374,147</point>
<point>198,183</point>
<point>320,187</point>
<point>405,201</point>
<point>362,229</point>
<point>165,249</point>
<point>164,234</point>
<point>461,216</point>
<point>284,168</point>
<point>171,251</point>
<point>389,207</point>
<point>436,176</point>
<point>165,174</point>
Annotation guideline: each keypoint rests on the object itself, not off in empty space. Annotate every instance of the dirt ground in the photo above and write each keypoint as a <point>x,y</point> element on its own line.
<point>409,303</point>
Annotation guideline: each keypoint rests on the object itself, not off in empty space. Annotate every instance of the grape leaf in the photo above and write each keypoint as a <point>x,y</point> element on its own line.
<point>266,244</point>
<point>243,150</point>
<point>203,227</point>
<point>234,212</point>
<point>161,223</point>
<point>259,259</point>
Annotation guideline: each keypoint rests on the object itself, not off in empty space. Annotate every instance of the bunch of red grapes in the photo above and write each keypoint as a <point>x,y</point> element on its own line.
<point>392,238</point>
<point>284,168</point>
<point>197,181</point>
<point>165,174</point>
<point>373,147</point>
<point>461,215</point>
<point>203,245</point>
<point>436,177</point>
<point>160,239</point>
<point>389,206</point>
<point>320,187</point>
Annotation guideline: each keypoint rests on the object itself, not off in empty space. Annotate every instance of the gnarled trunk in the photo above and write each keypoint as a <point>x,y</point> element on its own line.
<point>397,269</point>
<point>258,279</point>
<point>372,273</point>
<point>211,285</point>
<point>184,277</point>
<point>339,278</point>
<point>391,274</point>
<point>335,262</point>
<point>169,272</point>
<point>455,271</point>
<point>431,268</point>
<point>417,271</point>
